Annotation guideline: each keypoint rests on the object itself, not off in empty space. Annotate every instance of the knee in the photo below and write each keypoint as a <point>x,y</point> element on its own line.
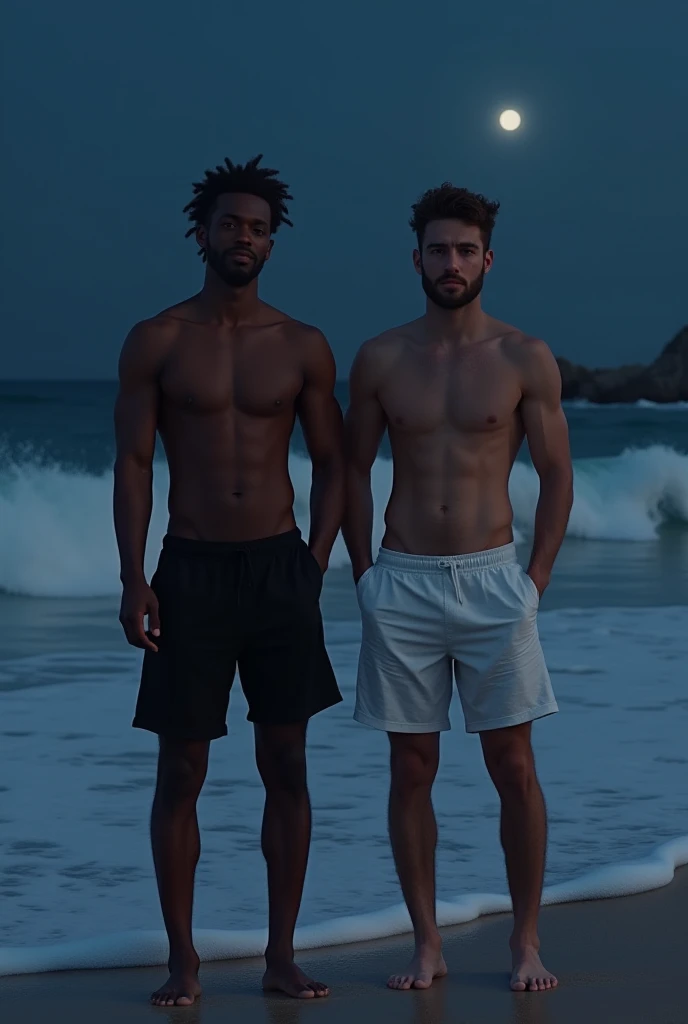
<point>513,773</point>
<point>284,771</point>
<point>413,767</point>
<point>180,779</point>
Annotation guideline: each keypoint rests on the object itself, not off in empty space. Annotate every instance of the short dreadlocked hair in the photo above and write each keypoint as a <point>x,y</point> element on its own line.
<point>448,202</point>
<point>248,178</point>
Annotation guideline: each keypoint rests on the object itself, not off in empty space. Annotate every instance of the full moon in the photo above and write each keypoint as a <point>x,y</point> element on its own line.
<point>510,120</point>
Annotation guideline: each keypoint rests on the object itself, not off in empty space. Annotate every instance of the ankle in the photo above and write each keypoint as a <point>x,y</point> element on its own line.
<point>183,958</point>
<point>524,942</point>
<point>279,955</point>
<point>430,942</point>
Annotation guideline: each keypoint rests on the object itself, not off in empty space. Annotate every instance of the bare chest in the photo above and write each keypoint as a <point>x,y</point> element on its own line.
<point>214,376</point>
<point>474,399</point>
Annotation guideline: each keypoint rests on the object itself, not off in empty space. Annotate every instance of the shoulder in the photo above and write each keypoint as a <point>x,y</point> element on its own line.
<point>532,358</point>
<point>309,339</point>
<point>537,369</point>
<point>377,355</point>
<point>298,335</point>
<point>311,350</point>
<point>148,343</point>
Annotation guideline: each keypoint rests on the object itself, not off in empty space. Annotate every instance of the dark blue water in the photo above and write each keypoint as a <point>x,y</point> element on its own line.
<point>70,422</point>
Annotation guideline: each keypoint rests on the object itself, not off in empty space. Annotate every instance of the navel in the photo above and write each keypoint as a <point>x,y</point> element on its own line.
<point>444,508</point>
<point>491,419</point>
<point>278,402</point>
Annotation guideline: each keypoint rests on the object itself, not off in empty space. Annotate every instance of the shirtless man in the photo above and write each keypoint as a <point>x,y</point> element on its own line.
<point>222,377</point>
<point>457,391</point>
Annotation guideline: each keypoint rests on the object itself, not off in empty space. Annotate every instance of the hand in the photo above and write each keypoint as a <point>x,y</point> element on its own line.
<point>139,600</point>
<point>363,571</point>
<point>540,579</point>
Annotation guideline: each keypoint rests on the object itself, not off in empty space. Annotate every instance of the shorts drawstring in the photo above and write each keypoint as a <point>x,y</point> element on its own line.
<point>448,563</point>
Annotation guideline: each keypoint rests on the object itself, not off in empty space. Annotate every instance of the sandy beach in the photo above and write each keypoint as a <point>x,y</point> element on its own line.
<point>618,960</point>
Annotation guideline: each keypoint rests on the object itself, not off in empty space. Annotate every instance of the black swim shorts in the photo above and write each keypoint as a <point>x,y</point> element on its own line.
<point>255,605</point>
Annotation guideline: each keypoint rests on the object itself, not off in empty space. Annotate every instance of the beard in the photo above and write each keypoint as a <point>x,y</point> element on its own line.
<point>471,291</point>
<point>234,276</point>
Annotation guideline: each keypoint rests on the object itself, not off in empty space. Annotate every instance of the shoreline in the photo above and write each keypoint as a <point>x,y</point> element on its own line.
<point>75,809</point>
<point>141,949</point>
<point>618,960</point>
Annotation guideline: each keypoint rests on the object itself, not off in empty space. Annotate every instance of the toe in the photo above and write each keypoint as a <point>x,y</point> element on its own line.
<point>422,982</point>
<point>518,985</point>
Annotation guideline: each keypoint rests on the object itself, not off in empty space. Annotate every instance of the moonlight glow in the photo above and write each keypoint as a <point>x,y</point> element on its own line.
<point>510,120</point>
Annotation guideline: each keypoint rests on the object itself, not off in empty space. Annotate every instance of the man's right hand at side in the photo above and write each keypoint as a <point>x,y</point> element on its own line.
<point>138,601</point>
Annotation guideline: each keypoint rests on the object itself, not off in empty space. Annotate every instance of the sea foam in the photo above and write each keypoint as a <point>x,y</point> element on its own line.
<point>139,949</point>
<point>78,886</point>
<point>57,537</point>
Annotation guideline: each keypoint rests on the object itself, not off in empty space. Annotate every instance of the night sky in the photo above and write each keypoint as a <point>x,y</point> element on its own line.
<point>112,111</point>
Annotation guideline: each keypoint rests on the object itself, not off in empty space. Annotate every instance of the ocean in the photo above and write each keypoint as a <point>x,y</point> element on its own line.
<point>76,879</point>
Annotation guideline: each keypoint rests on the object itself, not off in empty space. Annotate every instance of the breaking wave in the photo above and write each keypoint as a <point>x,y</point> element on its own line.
<point>57,539</point>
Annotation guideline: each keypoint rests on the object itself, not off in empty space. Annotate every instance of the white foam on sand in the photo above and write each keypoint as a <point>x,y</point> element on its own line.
<point>76,880</point>
<point>141,949</point>
<point>57,537</point>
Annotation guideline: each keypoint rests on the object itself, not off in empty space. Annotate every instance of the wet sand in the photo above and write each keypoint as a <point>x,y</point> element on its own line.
<point>622,960</point>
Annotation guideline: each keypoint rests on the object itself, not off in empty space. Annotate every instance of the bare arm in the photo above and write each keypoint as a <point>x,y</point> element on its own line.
<point>548,439</point>
<point>136,411</point>
<point>321,420</point>
<point>364,427</point>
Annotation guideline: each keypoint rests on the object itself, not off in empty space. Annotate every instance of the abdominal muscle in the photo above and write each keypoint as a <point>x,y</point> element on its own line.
<point>453,500</point>
<point>218,496</point>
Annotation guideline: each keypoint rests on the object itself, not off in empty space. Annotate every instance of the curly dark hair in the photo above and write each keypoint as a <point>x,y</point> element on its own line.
<point>447,202</point>
<point>248,178</point>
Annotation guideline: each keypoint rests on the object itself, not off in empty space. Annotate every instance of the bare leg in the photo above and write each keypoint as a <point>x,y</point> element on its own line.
<point>510,762</point>
<point>182,767</point>
<point>413,833</point>
<point>286,837</point>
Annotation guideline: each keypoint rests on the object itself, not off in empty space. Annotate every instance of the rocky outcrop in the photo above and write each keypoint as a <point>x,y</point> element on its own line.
<point>664,380</point>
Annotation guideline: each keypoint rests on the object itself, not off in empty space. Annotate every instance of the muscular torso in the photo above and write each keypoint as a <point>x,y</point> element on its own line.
<point>455,429</point>
<point>227,405</point>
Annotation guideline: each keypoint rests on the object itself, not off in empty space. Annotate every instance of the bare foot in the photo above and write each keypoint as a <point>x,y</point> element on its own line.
<point>182,988</point>
<point>529,975</point>
<point>427,964</point>
<point>290,979</point>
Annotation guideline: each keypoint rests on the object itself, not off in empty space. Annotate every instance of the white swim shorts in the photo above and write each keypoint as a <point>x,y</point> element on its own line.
<point>426,616</point>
